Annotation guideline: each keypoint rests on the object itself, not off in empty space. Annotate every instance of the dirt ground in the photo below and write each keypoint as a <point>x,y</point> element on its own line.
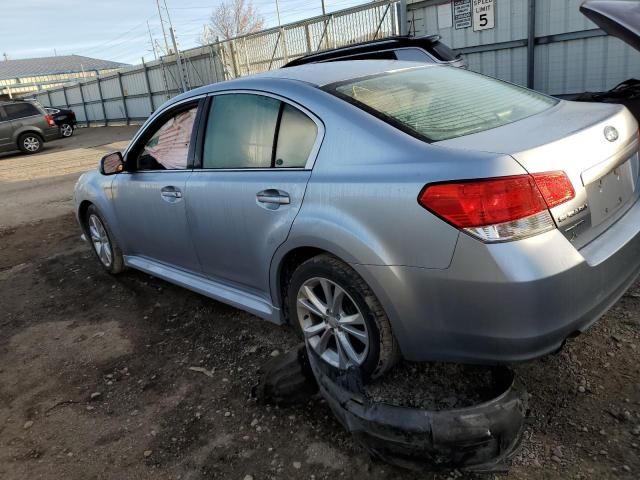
<point>96,379</point>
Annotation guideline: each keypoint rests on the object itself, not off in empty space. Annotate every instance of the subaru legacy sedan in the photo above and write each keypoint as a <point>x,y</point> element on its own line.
<point>383,209</point>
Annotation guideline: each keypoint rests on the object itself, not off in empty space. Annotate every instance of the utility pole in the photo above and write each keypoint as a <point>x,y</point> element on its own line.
<point>324,10</point>
<point>153,46</point>
<point>164,33</point>
<point>183,82</point>
<point>278,12</point>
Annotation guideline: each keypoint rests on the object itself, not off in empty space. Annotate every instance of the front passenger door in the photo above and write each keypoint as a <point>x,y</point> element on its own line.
<point>256,162</point>
<point>150,197</point>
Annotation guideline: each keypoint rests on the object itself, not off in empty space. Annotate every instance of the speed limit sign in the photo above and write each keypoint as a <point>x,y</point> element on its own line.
<point>483,14</point>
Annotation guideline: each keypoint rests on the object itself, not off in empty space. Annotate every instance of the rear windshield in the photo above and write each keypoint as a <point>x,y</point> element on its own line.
<point>438,103</point>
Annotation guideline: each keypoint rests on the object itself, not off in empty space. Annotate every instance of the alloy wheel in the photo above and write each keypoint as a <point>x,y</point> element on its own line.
<point>66,130</point>
<point>332,323</point>
<point>100,240</point>
<point>31,144</point>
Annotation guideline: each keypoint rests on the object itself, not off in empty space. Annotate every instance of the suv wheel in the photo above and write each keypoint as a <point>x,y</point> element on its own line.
<point>340,318</point>
<point>30,143</point>
<point>66,130</point>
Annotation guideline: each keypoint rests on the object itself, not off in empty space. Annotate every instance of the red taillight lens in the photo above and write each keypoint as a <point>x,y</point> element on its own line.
<point>49,120</point>
<point>555,187</point>
<point>499,209</point>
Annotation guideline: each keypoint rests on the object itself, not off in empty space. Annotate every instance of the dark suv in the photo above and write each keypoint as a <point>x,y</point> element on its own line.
<point>428,49</point>
<point>25,125</point>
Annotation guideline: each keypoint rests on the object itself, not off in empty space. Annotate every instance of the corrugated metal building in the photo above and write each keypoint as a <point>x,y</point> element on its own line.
<point>569,54</point>
<point>18,77</point>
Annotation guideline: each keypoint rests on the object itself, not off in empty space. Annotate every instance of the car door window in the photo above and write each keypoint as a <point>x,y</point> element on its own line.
<point>413,55</point>
<point>296,137</point>
<point>20,110</point>
<point>168,147</point>
<point>242,130</point>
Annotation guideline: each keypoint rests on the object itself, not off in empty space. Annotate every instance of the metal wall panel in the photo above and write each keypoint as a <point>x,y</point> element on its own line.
<point>110,87</point>
<point>57,98</point>
<point>134,83</point>
<point>139,107</point>
<point>114,110</point>
<point>561,67</point>
<point>73,95</point>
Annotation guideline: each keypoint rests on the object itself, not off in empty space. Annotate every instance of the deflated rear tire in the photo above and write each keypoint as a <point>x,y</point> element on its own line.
<point>340,318</point>
<point>102,241</point>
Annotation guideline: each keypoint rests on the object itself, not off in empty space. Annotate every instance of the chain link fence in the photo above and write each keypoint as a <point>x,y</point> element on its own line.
<point>130,95</point>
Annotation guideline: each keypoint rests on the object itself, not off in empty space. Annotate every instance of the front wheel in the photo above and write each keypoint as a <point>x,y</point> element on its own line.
<point>104,245</point>
<point>66,130</point>
<point>340,318</point>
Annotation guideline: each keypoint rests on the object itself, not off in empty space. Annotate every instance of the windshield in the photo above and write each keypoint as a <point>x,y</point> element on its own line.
<point>438,103</point>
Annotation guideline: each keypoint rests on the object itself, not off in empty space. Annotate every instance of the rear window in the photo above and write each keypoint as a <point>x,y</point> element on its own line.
<point>439,103</point>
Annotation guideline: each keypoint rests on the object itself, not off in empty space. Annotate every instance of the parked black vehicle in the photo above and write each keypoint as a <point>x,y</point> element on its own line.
<point>64,118</point>
<point>427,49</point>
<point>25,125</point>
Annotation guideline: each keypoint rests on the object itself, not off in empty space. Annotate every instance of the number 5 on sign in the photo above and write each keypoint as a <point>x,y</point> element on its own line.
<point>483,14</point>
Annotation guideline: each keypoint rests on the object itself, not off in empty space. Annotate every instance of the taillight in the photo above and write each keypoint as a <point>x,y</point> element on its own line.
<point>49,120</point>
<point>499,209</point>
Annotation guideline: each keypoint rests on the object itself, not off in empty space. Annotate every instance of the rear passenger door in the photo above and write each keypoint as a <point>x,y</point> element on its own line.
<point>255,158</point>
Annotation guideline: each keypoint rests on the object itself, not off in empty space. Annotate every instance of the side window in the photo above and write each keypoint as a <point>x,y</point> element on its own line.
<point>168,148</point>
<point>296,136</point>
<point>20,110</point>
<point>243,128</point>
<point>379,55</point>
<point>240,131</point>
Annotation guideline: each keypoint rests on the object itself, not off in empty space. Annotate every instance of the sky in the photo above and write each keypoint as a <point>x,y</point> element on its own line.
<point>117,29</point>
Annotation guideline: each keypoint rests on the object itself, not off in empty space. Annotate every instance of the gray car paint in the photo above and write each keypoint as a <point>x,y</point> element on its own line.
<point>10,130</point>
<point>448,296</point>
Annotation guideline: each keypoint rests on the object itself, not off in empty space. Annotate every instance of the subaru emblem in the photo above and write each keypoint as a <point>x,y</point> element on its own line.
<point>610,133</point>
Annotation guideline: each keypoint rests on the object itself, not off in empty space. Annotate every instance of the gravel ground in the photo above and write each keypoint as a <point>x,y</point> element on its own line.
<point>130,377</point>
<point>434,386</point>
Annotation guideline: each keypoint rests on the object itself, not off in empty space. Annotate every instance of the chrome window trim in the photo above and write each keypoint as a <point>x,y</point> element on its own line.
<point>315,150</point>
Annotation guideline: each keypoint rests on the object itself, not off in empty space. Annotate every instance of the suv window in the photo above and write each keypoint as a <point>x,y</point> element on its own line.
<point>168,148</point>
<point>242,130</point>
<point>379,55</point>
<point>20,110</point>
<point>413,55</point>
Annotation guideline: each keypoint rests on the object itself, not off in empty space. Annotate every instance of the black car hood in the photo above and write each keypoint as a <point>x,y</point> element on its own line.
<point>619,18</point>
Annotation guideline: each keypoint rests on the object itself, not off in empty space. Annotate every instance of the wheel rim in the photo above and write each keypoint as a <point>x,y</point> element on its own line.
<point>100,240</point>
<point>332,323</point>
<point>31,143</point>
<point>66,130</point>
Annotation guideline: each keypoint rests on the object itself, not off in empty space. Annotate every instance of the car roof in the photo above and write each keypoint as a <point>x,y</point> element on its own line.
<point>321,74</point>
<point>425,42</point>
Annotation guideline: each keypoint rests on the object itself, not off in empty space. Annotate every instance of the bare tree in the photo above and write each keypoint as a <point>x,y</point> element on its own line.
<point>230,19</point>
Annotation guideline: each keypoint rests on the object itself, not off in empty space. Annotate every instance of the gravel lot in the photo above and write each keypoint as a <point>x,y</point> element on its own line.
<point>97,378</point>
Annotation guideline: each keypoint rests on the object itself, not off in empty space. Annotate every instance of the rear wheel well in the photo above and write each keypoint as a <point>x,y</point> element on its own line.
<point>289,263</point>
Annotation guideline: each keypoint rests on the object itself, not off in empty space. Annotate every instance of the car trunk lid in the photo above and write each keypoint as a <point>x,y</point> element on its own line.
<point>571,137</point>
<point>619,18</point>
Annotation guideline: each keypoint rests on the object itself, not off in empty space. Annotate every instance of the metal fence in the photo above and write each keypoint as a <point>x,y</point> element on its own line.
<point>547,45</point>
<point>132,94</point>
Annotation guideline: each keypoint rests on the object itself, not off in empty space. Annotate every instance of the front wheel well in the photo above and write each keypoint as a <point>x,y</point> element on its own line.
<point>82,213</point>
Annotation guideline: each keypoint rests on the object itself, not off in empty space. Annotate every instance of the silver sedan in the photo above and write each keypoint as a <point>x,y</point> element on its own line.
<point>383,209</point>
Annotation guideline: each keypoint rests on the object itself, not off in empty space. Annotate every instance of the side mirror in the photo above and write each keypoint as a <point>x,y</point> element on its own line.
<point>112,163</point>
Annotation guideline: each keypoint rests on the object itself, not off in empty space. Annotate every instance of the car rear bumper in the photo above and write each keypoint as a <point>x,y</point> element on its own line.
<point>52,133</point>
<point>500,303</point>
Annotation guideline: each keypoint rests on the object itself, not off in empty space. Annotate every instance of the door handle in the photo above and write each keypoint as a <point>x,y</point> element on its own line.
<point>273,196</point>
<point>171,193</point>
